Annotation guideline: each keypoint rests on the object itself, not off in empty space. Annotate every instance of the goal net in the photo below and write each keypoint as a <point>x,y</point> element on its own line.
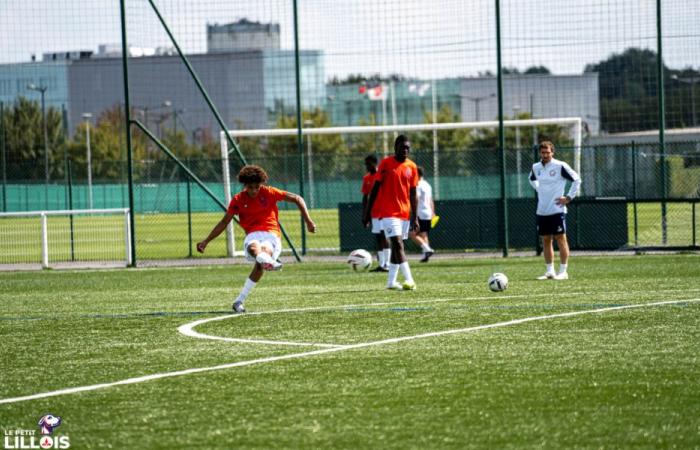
<point>459,159</point>
<point>521,134</point>
<point>77,238</point>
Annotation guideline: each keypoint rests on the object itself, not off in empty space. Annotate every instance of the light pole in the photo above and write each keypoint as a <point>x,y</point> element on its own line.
<point>310,164</point>
<point>87,117</point>
<point>42,90</point>
<point>476,101</point>
<point>691,81</point>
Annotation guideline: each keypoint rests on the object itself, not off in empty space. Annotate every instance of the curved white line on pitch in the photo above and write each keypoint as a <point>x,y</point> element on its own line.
<point>251,362</point>
<point>188,328</point>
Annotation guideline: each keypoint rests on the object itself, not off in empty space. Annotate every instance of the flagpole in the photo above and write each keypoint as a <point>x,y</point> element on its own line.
<point>436,163</point>
<point>393,107</point>
<point>386,140</point>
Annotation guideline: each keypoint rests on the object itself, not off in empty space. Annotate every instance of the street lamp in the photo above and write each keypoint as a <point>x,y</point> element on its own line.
<point>691,81</point>
<point>87,117</point>
<point>42,90</point>
<point>476,101</point>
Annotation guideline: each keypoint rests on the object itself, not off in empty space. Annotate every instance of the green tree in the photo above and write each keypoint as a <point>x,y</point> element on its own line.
<point>330,154</point>
<point>629,91</point>
<point>485,154</point>
<point>24,139</point>
<point>453,145</point>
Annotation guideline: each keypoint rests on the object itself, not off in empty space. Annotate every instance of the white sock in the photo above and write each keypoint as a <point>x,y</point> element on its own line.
<point>247,287</point>
<point>393,273</point>
<point>380,258</point>
<point>425,247</point>
<point>387,257</point>
<point>406,272</point>
<point>550,267</point>
<point>264,258</point>
<point>562,268</point>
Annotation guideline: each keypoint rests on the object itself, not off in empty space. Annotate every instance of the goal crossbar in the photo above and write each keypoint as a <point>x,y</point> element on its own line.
<point>576,123</point>
<point>572,121</point>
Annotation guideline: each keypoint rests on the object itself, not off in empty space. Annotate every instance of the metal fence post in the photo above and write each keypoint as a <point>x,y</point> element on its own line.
<point>4,160</point>
<point>69,176</point>
<point>634,193</point>
<point>127,123</point>
<point>695,242</point>
<point>189,214</point>
<point>501,132</point>
<point>662,121</point>
<point>300,143</point>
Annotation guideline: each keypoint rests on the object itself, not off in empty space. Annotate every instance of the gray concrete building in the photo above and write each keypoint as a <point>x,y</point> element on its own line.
<point>243,35</point>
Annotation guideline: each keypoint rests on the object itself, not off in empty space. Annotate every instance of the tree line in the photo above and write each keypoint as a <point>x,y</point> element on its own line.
<point>628,102</point>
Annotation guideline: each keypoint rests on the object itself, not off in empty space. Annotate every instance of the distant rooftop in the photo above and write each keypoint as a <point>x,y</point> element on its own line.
<point>245,26</point>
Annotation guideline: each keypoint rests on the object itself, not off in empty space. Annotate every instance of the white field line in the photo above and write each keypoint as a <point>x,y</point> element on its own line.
<point>251,362</point>
<point>188,328</point>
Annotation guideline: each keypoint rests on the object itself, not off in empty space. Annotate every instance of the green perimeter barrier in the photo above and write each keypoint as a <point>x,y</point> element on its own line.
<point>473,224</point>
<point>172,197</point>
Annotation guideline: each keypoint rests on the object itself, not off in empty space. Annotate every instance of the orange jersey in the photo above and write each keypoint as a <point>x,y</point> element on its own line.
<point>397,179</point>
<point>368,183</point>
<point>259,213</point>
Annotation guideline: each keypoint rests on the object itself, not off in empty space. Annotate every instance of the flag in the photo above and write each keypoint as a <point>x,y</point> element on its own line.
<point>377,92</point>
<point>419,89</point>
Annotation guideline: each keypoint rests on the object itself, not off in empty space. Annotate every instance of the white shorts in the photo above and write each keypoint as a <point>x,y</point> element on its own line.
<point>376,225</point>
<point>395,227</point>
<point>266,239</point>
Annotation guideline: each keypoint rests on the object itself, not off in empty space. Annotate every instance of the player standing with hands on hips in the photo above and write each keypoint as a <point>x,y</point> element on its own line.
<point>256,208</point>
<point>394,192</point>
<point>548,177</point>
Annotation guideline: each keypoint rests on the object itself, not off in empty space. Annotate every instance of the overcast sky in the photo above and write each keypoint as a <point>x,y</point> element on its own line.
<point>426,39</point>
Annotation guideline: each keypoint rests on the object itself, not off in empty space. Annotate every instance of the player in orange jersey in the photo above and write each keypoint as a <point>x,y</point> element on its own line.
<point>256,208</point>
<point>394,192</point>
<point>383,250</point>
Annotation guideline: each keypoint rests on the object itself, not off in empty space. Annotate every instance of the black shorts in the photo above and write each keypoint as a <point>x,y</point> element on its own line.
<point>424,226</point>
<point>551,225</point>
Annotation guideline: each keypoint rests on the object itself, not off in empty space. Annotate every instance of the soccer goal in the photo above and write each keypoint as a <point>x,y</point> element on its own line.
<point>77,238</point>
<point>385,133</point>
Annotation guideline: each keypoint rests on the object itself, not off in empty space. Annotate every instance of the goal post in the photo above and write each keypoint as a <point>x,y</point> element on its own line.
<point>84,238</point>
<point>574,124</point>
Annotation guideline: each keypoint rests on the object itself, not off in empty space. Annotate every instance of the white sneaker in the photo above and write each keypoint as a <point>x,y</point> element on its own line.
<point>267,262</point>
<point>547,276</point>
<point>562,276</point>
<point>395,287</point>
<point>238,308</point>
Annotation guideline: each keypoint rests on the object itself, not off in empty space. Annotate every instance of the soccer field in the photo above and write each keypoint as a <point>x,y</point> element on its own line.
<point>326,358</point>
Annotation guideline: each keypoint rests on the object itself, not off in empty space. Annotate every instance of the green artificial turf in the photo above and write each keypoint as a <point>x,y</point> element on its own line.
<point>625,378</point>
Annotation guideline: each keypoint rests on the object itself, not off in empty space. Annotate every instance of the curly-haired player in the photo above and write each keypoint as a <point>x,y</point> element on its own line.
<point>256,208</point>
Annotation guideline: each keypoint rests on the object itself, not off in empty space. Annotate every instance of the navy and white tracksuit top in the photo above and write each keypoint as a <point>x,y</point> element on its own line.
<point>550,181</point>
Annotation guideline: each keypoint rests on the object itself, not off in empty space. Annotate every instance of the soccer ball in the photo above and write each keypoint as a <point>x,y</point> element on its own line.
<point>498,282</point>
<point>360,260</point>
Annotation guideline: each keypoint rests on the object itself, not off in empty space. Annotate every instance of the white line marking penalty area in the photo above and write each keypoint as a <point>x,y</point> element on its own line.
<point>322,351</point>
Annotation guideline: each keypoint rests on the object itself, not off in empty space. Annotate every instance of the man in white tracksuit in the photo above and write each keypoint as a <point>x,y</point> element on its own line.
<point>548,178</point>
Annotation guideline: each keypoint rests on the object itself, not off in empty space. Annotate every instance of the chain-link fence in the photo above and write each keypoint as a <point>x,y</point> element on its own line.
<point>194,69</point>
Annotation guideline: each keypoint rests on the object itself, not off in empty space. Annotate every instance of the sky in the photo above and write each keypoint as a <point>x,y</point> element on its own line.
<point>421,39</point>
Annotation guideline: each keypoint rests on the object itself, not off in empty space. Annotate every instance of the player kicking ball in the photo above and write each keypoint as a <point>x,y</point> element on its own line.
<point>256,208</point>
<point>394,192</point>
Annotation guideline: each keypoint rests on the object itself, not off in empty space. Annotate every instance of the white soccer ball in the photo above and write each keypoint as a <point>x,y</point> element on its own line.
<point>360,260</point>
<point>498,282</point>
